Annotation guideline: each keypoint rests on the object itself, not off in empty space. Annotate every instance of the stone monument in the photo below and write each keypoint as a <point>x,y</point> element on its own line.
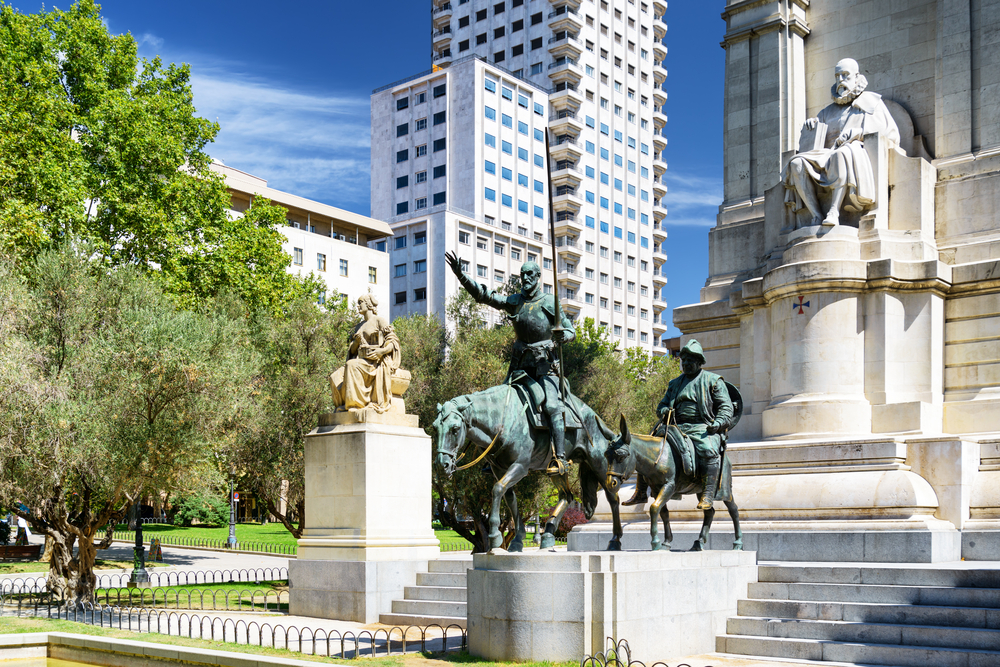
<point>367,487</point>
<point>852,287</point>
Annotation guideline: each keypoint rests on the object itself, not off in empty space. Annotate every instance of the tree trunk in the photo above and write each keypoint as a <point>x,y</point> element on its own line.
<point>71,577</point>
<point>285,519</point>
<point>47,554</point>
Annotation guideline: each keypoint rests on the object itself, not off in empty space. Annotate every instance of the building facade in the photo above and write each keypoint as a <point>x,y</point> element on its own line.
<point>346,250</point>
<point>459,158</point>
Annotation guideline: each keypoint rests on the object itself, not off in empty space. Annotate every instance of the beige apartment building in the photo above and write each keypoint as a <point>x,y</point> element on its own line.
<point>346,250</point>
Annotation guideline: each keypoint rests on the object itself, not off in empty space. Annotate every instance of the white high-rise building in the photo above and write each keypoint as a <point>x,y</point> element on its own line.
<point>459,160</point>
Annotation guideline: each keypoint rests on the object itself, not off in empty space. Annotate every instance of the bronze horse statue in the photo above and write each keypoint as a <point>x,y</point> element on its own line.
<point>495,423</point>
<point>657,459</point>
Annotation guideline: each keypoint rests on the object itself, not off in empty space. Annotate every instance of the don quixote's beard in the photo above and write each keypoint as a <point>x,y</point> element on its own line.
<point>844,95</point>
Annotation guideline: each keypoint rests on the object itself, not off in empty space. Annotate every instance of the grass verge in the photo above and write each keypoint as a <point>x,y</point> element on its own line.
<point>23,625</point>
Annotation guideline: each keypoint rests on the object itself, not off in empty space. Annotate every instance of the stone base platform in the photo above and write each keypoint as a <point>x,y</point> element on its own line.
<point>560,606</point>
<point>348,590</point>
<point>788,544</point>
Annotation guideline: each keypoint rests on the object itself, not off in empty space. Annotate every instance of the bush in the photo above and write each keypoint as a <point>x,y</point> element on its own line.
<point>572,517</point>
<point>4,533</point>
<point>210,510</point>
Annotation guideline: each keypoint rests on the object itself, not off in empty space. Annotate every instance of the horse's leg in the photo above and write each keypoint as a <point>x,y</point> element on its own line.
<point>513,475</point>
<point>662,495</point>
<point>734,514</point>
<point>616,538</point>
<point>565,496</point>
<point>699,544</point>
<point>665,516</point>
<point>517,544</point>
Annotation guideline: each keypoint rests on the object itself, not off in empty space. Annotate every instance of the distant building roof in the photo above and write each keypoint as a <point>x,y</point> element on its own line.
<point>250,184</point>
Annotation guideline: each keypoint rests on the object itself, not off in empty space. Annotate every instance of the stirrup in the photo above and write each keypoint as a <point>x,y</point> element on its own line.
<point>704,503</point>
<point>557,467</point>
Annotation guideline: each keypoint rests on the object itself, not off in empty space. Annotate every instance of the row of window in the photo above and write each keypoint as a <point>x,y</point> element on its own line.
<point>419,294</point>
<point>419,238</point>
<point>419,98</point>
<point>297,260</point>
<point>440,171</point>
<point>508,200</point>
<point>403,129</point>
<point>419,266</point>
<point>421,150</point>
<point>421,203</point>
<point>508,94</point>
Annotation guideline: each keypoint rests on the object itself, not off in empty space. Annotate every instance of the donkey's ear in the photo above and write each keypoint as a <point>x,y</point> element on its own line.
<point>623,427</point>
<point>439,407</point>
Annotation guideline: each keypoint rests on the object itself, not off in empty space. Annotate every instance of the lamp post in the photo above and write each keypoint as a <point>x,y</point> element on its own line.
<point>140,578</point>
<point>232,516</point>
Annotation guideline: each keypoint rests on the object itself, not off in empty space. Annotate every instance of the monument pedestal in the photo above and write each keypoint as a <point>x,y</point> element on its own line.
<point>368,517</point>
<point>889,499</point>
<point>561,606</point>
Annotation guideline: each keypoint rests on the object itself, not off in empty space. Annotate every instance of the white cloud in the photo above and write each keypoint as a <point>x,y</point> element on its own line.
<point>310,144</point>
<point>691,200</point>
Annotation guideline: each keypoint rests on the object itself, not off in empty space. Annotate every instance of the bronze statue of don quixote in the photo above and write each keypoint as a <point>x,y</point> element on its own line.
<point>532,421</point>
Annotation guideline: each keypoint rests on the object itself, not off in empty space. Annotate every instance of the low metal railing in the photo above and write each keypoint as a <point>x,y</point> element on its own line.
<point>210,543</point>
<point>300,639</point>
<point>167,578</point>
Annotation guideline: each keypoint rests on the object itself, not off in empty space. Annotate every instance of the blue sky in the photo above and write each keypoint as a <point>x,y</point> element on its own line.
<point>290,83</point>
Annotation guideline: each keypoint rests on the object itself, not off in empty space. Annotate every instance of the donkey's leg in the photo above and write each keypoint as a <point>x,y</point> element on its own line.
<point>616,538</point>
<point>734,514</point>
<point>565,497</point>
<point>513,475</point>
<point>517,544</point>
<point>699,544</point>
<point>661,496</point>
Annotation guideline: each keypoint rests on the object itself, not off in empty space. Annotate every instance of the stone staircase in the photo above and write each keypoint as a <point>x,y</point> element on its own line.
<point>438,597</point>
<point>912,615</point>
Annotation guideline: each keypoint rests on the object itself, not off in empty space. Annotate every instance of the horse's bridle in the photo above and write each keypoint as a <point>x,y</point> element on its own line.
<point>455,456</point>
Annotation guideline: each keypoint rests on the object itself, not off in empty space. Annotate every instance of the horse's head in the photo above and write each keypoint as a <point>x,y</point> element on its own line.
<point>449,436</point>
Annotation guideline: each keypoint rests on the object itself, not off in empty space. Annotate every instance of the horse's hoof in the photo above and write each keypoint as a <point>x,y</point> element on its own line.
<point>496,540</point>
<point>515,547</point>
<point>697,546</point>
<point>657,545</point>
<point>738,545</point>
<point>548,541</point>
<point>615,545</point>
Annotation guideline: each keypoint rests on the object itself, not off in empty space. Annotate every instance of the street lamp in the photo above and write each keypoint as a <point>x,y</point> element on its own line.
<point>139,575</point>
<point>232,516</point>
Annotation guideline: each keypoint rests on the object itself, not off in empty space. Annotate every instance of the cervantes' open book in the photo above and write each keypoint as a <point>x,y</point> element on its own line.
<point>810,140</point>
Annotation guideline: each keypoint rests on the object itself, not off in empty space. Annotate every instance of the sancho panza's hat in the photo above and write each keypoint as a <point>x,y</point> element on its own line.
<point>693,349</point>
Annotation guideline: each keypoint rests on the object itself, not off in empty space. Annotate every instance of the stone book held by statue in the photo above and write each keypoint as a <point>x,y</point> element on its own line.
<point>812,138</point>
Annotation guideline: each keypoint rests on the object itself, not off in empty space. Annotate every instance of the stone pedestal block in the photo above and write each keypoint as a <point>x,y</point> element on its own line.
<point>561,606</point>
<point>356,591</point>
<point>368,493</point>
<point>368,518</point>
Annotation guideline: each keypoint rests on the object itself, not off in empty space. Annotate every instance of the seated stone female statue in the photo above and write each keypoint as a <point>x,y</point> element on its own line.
<point>372,357</point>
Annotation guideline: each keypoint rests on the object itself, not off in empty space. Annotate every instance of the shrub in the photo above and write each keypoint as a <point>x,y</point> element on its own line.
<point>210,510</point>
<point>573,517</point>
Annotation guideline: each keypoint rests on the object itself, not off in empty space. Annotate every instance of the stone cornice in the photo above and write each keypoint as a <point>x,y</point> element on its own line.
<point>771,24</point>
<point>744,5</point>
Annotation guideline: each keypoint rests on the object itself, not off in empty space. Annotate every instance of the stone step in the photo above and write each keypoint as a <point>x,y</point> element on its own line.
<point>452,579</point>
<point>891,576</point>
<point>442,593</point>
<point>452,565</point>
<point>867,654</point>
<point>429,608</point>
<point>858,612</point>
<point>867,633</point>
<point>916,595</point>
<point>406,620</point>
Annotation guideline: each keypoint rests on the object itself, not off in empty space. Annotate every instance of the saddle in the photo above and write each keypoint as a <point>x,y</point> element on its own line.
<point>532,398</point>
<point>680,443</point>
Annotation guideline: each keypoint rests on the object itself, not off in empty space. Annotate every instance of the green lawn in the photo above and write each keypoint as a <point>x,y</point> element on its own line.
<point>38,567</point>
<point>270,596</point>
<point>270,533</point>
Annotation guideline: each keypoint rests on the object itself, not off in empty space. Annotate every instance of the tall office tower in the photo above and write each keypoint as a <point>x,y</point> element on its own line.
<point>458,159</point>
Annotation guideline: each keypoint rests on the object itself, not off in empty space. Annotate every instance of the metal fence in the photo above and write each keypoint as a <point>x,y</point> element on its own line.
<point>242,600</point>
<point>166,578</point>
<point>209,543</point>
<point>618,654</point>
<point>306,640</point>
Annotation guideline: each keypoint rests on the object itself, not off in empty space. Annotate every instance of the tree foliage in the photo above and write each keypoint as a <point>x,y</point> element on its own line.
<point>107,391</point>
<point>99,144</point>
